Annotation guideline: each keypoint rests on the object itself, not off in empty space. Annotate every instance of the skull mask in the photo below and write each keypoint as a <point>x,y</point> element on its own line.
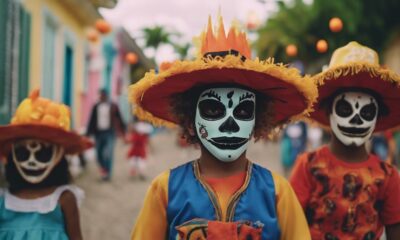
<point>225,119</point>
<point>35,159</point>
<point>353,117</point>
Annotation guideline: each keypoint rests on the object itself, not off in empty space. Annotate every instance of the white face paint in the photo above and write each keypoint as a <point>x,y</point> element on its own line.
<point>353,117</point>
<point>225,119</point>
<point>35,159</point>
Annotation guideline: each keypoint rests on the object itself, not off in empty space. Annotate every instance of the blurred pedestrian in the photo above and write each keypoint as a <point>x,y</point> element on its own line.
<point>104,124</point>
<point>294,142</point>
<point>40,202</point>
<point>137,154</point>
<point>314,137</point>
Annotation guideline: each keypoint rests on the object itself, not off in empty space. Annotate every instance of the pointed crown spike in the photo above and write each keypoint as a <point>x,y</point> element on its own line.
<point>218,41</point>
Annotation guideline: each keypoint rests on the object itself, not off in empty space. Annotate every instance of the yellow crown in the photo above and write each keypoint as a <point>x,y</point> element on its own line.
<point>218,41</point>
<point>353,52</point>
<point>42,111</point>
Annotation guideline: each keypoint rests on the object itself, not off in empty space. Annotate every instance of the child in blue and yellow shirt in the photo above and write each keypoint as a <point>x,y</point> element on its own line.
<point>222,100</point>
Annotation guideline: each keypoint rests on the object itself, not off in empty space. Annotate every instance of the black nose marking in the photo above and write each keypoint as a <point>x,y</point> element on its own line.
<point>356,120</point>
<point>229,126</point>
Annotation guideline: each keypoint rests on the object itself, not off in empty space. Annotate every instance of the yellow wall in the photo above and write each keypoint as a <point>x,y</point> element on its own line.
<point>67,23</point>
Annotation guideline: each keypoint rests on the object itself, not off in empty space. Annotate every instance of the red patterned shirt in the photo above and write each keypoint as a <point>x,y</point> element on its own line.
<point>345,200</point>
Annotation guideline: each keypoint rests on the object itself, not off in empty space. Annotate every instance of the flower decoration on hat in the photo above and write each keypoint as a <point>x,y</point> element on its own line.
<point>38,110</point>
<point>43,119</point>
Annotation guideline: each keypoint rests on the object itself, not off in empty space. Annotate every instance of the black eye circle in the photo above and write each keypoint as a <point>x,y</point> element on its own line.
<point>45,154</point>
<point>368,112</point>
<point>244,111</point>
<point>21,153</point>
<point>211,109</point>
<point>343,108</point>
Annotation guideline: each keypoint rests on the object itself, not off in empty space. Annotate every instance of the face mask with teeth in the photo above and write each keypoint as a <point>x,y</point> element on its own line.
<point>225,119</point>
<point>353,117</point>
<point>35,159</point>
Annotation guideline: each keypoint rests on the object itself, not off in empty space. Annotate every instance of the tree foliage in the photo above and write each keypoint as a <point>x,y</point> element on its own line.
<point>370,22</point>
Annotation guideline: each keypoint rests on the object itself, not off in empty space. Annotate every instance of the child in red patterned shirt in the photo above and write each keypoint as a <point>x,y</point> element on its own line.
<point>346,192</point>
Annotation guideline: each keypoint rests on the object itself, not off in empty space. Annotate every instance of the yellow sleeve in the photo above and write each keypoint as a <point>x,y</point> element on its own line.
<point>152,220</point>
<point>291,219</point>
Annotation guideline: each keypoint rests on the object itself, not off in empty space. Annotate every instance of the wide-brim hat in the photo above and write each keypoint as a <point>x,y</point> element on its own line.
<point>223,60</point>
<point>357,67</point>
<point>42,119</point>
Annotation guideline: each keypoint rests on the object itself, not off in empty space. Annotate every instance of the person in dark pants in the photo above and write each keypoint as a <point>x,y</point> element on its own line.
<point>104,124</point>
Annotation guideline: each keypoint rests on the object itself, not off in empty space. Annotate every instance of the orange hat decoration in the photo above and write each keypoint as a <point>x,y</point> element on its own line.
<point>41,118</point>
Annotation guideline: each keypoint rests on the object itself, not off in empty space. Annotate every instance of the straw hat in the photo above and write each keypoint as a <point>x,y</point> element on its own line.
<point>355,66</point>
<point>41,118</point>
<point>222,59</point>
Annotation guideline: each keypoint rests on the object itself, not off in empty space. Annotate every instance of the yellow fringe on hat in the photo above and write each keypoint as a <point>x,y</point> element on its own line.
<point>280,71</point>
<point>355,68</point>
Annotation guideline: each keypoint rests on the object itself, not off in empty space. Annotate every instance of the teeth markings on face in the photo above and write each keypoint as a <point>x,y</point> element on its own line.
<point>33,169</point>
<point>354,117</point>
<point>228,133</point>
<point>228,143</point>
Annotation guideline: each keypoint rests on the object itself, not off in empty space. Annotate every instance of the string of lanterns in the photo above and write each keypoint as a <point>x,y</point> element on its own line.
<point>335,25</point>
<point>101,26</point>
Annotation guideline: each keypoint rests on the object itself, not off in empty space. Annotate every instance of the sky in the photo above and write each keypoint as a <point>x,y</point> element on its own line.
<point>189,17</point>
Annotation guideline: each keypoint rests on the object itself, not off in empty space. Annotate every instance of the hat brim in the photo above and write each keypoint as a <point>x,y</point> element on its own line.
<point>381,81</point>
<point>291,94</point>
<point>72,142</point>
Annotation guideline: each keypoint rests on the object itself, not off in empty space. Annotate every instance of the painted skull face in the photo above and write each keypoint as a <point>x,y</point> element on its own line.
<point>225,119</point>
<point>35,159</point>
<point>353,117</point>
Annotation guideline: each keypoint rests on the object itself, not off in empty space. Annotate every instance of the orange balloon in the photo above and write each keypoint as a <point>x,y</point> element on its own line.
<point>335,24</point>
<point>92,35</point>
<point>291,50</point>
<point>322,46</point>
<point>103,26</point>
<point>131,58</point>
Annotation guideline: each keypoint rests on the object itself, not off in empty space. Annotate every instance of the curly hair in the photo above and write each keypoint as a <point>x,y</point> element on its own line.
<point>184,105</point>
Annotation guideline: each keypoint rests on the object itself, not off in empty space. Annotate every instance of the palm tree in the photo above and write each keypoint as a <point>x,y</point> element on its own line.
<point>182,50</point>
<point>156,36</point>
<point>370,22</point>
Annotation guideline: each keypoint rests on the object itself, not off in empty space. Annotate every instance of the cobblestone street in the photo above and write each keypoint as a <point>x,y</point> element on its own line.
<point>110,208</point>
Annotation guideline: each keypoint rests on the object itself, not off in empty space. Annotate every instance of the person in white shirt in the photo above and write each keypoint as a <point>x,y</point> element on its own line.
<point>104,123</point>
